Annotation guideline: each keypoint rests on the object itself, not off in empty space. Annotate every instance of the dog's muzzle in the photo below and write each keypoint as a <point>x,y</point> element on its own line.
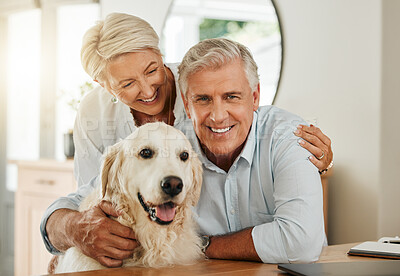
<point>163,214</point>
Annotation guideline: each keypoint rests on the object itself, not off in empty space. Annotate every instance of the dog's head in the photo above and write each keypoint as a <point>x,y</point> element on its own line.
<point>156,167</point>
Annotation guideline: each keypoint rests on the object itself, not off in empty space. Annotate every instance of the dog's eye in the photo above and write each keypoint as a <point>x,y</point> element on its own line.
<point>184,156</point>
<point>146,153</point>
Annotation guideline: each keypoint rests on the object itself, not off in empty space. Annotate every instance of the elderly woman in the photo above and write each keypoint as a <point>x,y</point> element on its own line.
<point>121,53</point>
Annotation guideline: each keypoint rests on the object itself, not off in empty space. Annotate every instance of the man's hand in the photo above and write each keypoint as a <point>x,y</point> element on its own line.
<point>94,233</point>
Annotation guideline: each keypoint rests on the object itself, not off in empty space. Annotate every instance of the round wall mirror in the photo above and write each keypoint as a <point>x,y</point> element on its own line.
<point>253,23</point>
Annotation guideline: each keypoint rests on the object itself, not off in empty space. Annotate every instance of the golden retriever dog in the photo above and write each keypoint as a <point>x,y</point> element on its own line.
<point>154,177</point>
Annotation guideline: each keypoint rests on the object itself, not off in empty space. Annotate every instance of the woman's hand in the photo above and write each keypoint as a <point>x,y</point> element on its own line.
<point>318,144</point>
<point>102,238</point>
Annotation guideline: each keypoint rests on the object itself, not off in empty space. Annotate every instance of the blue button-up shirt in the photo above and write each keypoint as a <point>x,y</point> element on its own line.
<point>272,186</point>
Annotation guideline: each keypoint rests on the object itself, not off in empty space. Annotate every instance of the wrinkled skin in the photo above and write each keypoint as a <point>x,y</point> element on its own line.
<point>94,233</point>
<point>102,238</point>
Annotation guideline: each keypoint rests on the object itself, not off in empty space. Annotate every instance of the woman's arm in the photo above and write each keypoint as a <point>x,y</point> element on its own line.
<point>93,232</point>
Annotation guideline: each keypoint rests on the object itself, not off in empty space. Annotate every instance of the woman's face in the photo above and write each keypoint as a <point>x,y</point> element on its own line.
<point>139,80</point>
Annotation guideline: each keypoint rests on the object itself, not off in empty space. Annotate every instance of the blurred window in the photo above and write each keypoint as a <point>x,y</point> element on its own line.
<point>253,23</point>
<point>72,23</point>
<point>23,96</point>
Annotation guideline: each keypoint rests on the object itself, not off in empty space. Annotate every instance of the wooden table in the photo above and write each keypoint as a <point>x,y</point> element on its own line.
<point>334,253</point>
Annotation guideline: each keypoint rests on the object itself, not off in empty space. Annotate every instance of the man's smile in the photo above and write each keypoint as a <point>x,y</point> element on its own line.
<point>221,130</point>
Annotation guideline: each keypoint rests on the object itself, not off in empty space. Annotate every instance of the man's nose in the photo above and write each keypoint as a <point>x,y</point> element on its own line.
<point>218,112</point>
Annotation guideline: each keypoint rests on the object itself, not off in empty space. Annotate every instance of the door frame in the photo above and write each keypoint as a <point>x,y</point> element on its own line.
<point>6,196</point>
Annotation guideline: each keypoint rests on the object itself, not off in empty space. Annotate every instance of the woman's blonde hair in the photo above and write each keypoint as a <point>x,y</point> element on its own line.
<point>214,53</point>
<point>117,34</point>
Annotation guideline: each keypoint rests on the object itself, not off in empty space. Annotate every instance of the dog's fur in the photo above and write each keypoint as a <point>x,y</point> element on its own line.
<point>125,173</point>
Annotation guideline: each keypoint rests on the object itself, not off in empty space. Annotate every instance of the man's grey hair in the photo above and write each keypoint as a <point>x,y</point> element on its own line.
<point>214,53</point>
<point>117,34</point>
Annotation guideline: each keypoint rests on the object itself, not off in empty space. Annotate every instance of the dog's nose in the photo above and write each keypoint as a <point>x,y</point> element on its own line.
<point>172,185</point>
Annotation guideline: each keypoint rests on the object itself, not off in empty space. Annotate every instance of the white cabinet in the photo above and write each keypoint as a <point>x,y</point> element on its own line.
<point>39,184</point>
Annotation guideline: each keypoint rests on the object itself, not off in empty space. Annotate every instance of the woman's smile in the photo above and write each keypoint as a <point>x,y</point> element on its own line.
<point>144,81</point>
<point>150,100</point>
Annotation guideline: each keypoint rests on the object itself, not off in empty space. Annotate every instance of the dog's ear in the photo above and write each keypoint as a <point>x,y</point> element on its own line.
<point>106,169</point>
<point>197,171</point>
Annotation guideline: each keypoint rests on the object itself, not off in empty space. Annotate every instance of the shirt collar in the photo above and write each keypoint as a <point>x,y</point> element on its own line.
<point>248,150</point>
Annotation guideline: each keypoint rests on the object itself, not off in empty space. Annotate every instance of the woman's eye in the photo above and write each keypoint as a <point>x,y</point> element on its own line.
<point>152,71</point>
<point>146,153</point>
<point>184,156</point>
<point>127,85</point>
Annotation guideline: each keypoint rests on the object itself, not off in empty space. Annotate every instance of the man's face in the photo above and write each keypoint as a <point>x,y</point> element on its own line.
<point>221,104</point>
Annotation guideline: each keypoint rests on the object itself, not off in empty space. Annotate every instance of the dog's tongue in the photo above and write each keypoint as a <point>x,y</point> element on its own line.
<point>166,212</point>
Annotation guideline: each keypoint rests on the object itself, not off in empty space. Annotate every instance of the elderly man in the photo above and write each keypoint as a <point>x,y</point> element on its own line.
<point>261,197</point>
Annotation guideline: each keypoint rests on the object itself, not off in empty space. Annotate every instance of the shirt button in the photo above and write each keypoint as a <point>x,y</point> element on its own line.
<point>232,211</point>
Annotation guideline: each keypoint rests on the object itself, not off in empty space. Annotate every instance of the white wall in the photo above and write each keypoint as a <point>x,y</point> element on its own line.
<point>389,208</point>
<point>340,62</point>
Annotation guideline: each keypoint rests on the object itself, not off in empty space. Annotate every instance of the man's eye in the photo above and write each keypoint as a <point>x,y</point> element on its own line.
<point>146,153</point>
<point>202,99</point>
<point>184,156</point>
<point>232,97</point>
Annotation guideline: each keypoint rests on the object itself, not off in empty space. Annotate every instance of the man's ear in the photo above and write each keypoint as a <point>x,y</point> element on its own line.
<point>185,103</point>
<point>256,98</point>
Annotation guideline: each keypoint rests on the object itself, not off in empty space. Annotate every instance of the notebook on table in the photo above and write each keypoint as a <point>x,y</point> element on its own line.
<point>379,249</point>
<point>365,268</point>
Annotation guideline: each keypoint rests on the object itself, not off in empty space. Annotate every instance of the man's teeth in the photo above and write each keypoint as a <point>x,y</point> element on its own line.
<point>220,130</point>
<point>151,99</point>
